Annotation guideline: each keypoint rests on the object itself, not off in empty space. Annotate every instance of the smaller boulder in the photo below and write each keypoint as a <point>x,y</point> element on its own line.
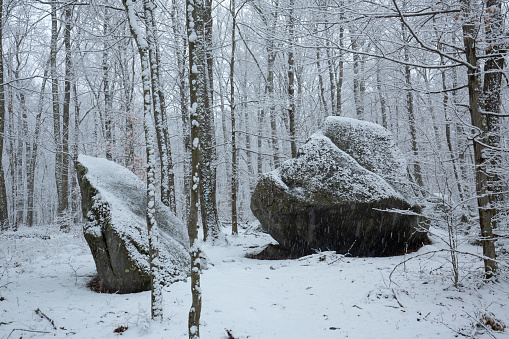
<point>114,206</point>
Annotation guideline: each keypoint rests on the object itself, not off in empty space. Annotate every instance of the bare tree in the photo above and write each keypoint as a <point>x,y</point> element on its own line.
<point>4,216</point>
<point>234,183</point>
<point>198,97</point>
<point>153,232</point>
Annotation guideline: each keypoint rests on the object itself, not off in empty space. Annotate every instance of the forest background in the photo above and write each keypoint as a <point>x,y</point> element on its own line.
<point>71,81</point>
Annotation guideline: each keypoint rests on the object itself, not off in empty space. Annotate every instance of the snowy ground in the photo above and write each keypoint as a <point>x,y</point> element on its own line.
<point>320,296</point>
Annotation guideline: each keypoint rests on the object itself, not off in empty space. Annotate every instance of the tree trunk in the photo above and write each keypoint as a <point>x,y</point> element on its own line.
<point>180,44</point>
<point>332,79</point>
<point>153,232</point>
<point>75,192</point>
<point>20,140</point>
<point>108,99</point>
<point>261,118</point>
<point>271,59</point>
<point>340,75</point>
<point>321,87</point>
<point>194,24</point>
<point>33,158</point>
<point>156,91</point>
<point>411,114</point>
<point>4,212</point>
<point>381,96</point>
<point>234,184</point>
<point>208,203</point>
<point>65,116</point>
<point>166,135</point>
<point>56,106</point>
<point>479,121</point>
<point>491,100</point>
<point>359,107</point>
<point>448,122</point>
<point>291,80</point>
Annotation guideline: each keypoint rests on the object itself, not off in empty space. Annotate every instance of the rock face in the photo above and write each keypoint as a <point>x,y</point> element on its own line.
<point>332,199</point>
<point>114,205</point>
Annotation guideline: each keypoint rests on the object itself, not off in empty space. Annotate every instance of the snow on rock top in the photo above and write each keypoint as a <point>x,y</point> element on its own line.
<point>114,202</point>
<point>372,146</point>
<point>322,167</point>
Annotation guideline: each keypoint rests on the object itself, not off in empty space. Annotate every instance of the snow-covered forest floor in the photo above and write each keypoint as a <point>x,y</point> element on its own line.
<point>324,295</point>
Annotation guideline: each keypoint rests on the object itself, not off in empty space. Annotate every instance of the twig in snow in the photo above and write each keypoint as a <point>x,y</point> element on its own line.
<point>229,333</point>
<point>479,323</point>
<point>396,297</point>
<point>22,329</point>
<point>44,316</point>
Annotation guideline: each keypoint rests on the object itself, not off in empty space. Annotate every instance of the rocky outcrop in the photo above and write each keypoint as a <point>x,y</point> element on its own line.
<point>114,206</point>
<point>326,199</point>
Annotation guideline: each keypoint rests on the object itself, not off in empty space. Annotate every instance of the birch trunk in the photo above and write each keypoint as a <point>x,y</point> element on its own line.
<point>152,229</point>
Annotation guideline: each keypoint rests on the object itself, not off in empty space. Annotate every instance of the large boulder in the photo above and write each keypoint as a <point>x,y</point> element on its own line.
<point>114,206</point>
<point>324,199</point>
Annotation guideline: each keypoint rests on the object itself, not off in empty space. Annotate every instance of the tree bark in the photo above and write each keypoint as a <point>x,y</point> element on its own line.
<point>148,105</point>
<point>4,212</point>
<point>65,116</point>
<point>57,133</point>
<point>381,96</point>
<point>157,95</point>
<point>180,43</point>
<point>411,114</point>
<point>479,121</point>
<point>208,203</point>
<point>271,59</point>
<point>108,98</point>
<point>291,79</point>
<point>194,24</point>
<point>491,100</point>
<point>33,157</point>
<point>321,87</point>
<point>234,184</point>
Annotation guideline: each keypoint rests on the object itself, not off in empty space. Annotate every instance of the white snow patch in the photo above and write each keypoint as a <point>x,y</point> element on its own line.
<point>323,295</point>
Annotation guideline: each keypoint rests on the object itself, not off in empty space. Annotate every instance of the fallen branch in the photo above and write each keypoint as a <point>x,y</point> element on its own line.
<point>22,329</point>
<point>396,297</point>
<point>479,323</point>
<point>44,316</point>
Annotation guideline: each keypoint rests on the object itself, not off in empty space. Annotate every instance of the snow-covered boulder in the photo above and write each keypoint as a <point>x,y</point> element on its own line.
<point>324,199</point>
<point>373,147</point>
<point>114,206</point>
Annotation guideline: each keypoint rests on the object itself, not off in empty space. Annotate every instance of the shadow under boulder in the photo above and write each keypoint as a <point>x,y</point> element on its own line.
<point>324,199</point>
<point>114,206</point>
